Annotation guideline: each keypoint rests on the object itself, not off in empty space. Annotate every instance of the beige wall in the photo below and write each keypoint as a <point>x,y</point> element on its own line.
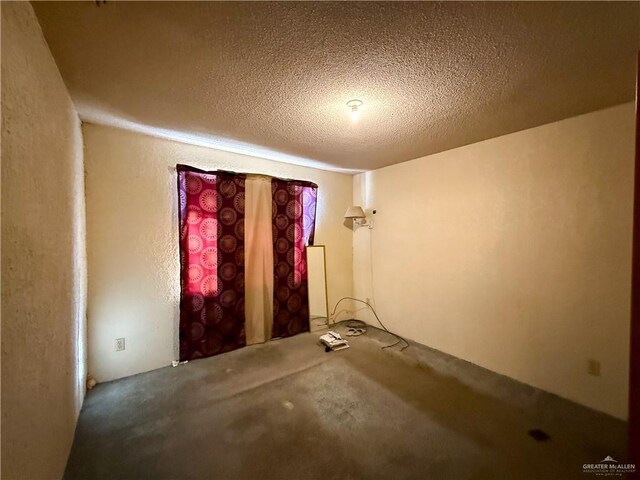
<point>43,255</point>
<point>513,253</point>
<point>132,237</point>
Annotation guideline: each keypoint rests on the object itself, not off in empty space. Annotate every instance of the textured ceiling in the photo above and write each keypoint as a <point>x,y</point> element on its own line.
<point>433,76</point>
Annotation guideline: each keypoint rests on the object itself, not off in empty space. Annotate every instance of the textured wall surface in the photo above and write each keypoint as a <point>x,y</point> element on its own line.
<point>513,253</point>
<point>133,244</point>
<point>43,255</point>
<point>433,75</point>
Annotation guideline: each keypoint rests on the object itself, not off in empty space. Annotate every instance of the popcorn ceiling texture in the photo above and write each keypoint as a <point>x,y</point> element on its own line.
<point>132,229</point>
<point>433,76</point>
<point>43,255</point>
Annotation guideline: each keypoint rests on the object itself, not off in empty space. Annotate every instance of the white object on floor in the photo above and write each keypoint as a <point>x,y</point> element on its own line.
<point>334,341</point>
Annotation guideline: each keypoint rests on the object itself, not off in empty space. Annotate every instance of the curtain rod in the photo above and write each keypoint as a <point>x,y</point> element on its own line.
<point>188,168</point>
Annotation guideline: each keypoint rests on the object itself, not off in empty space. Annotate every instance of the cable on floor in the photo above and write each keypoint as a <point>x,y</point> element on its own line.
<point>360,324</point>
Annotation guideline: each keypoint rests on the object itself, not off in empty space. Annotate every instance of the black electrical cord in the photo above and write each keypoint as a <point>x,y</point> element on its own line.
<point>377,318</point>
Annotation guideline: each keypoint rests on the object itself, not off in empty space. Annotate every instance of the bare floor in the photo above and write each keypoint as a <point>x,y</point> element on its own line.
<point>288,410</point>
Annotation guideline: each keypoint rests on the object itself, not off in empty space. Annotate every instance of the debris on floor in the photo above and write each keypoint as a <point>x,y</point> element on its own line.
<point>538,435</point>
<point>333,341</point>
<point>355,332</point>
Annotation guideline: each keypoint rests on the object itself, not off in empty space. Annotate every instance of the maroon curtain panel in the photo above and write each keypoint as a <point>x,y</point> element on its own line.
<point>294,215</point>
<point>211,217</point>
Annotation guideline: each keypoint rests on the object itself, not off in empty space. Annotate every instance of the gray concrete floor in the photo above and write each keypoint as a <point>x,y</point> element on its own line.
<point>288,410</point>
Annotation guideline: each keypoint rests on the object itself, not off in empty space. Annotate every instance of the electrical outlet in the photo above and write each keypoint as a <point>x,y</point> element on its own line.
<point>593,367</point>
<point>119,344</point>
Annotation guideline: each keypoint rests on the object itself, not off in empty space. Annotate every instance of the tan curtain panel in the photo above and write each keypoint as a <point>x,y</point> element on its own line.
<point>258,267</point>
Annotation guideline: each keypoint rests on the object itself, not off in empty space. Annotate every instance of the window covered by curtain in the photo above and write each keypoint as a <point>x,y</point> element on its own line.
<point>243,272</point>
<point>211,217</point>
<point>294,212</point>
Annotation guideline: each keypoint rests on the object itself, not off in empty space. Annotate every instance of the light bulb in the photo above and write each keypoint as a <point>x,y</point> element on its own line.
<point>354,109</point>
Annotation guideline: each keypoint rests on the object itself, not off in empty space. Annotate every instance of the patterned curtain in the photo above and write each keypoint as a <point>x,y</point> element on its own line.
<point>211,220</point>
<point>294,212</point>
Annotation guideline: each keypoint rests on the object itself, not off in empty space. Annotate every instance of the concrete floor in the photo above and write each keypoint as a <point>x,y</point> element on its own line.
<point>288,410</point>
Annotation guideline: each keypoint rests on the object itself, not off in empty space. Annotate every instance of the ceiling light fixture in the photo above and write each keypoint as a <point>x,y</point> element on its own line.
<point>353,105</point>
